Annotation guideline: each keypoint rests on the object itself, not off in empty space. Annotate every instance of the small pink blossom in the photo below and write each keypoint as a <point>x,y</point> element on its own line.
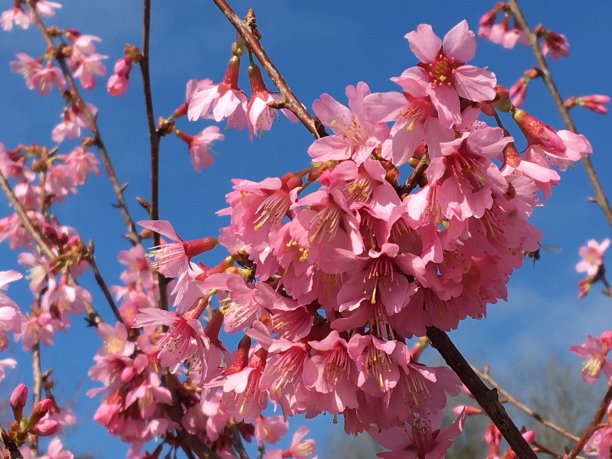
<point>595,351</point>
<point>442,67</point>
<point>172,259</point>
<point>199,146</point>
<point>555,45</point>
<point>14,15</point>
<point>56,450</point>
<point>600,443</point>
<point>218,101</point>
<point>592,256</point>
<point>593,102</point>
<point>270,429</point>
<point>260,114</point>
<point>118,82</point>
<point>47,8</point>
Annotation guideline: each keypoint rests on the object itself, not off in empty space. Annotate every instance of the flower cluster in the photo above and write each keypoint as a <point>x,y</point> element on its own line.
<point>331,284</point>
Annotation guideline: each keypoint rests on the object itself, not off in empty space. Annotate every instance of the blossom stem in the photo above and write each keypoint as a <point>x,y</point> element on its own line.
<point>486,398</point>
<point>290,101</point>
<point>154,139</point>
<point>93,125</point>
<point>600,196</point>
<point>593,425</point>
<point>484,375</point>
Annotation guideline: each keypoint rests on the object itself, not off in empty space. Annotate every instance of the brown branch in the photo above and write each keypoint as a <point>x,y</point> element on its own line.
<point>91,259</point>
<point>514,401</point>
<point>487,398</point>
<point>415,176</point>
<point>154,140</point>
<point>289,101</point>
<point>93,125</point>
<point>593,425</point>
<point>539,448</point>
<point>600,196</point>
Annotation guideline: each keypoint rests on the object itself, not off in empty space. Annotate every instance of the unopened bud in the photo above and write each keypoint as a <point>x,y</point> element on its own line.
<point>538,133</point>
<point>40,409</point>
<point>18,399</point>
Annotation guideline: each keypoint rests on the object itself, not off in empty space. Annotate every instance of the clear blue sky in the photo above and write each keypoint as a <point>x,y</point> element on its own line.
<point>319,46</point>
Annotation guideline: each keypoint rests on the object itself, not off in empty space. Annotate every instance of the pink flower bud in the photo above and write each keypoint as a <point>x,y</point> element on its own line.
<point>538,133</point>
<point>46,427</point>
<point>18,400</point>
<point>40,409</point>
<point>117,85</point>
<point>595,102</point>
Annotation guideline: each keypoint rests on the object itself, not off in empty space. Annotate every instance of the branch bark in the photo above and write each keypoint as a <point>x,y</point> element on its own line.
<point>486,398</point>
<point>154,139</point>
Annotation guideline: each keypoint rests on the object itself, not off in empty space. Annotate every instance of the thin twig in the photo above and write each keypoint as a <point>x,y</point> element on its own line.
<point>487,398</point>
<point>413,179</point>
<point>91,259</point>
<point>290,101</point>
<point>93,125</point>
<point>521,406</point>
<point>154,140</point>
<point>600,196</point>
<point>33,231</point>
<point>539,448</point>
<point>37,388</point>
<point>593,425</point>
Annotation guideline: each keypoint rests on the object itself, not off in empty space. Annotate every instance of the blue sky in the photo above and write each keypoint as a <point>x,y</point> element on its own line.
<point>319,46</point>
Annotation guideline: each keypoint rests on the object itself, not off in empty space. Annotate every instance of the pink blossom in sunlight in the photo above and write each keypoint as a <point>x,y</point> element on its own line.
<point>200,145</point>
<point>592,256</point>
<point>171,259</point>
<point>219,101</point>
<point>442,68</point>
<point>595,351</point>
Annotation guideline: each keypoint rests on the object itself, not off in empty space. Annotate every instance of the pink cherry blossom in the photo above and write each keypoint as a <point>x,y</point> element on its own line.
<point>442,68</point>
<point>55,450</point>
<point>260,114</point>
<point>199,146</point>
<point>14,15</point>
<point>218,101</point>
<point>270,429</point>
<point>592,256</point>
<point>595,351</point>
<point>555,45</point>
<point>355,137</point>
<point>172,259</point>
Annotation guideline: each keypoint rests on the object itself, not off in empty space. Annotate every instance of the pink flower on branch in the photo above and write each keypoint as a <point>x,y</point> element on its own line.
<point>217,101</point>
<point>199,146</point>
<point>171,259</point>
<point>592,256</point>
<point>595,351</point>
<point>443,70</point>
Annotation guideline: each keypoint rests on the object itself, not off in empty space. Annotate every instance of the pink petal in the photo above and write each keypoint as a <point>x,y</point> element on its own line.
<point>474,83</point>
<point>424,43</point>
<point>459,42</point>
<point>163,227</point>
<point>446,101</point>
<point>384,106</point>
